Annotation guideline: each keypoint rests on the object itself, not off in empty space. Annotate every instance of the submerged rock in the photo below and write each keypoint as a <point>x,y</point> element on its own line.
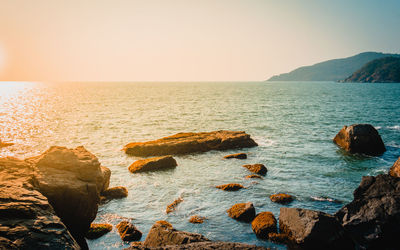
<point>311,229</point>
<point>237,156</point>
<point>230,187</point>
<point>360,138</point>
<point>128,231</point>
<point>242,212</point>
<point>196,219</point>
<point>114,193</point>
<point>206,245</point>
<point>281,198</point>
<point>171,207</point>
<point>186,143</point>
<point>97,230</point>
<point>264,224</point>
<point>373,217</point>
<point>153,164</point>
<point>256,168</point>
<point>253,176</point>
<point>395,169</point>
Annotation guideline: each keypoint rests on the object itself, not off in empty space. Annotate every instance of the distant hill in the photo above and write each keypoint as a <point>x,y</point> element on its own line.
<point>385,69</point>
<point>332,70</point>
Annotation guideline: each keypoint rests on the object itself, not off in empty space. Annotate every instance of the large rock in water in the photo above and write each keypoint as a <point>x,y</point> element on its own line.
<point>153,164</point>
<point>186,143</point>
<point>242,212</point>
<point>395,169</point>
<point>373,217</point>
<point>27,220</point>
<point>311,229</point>
<point>360,138</point>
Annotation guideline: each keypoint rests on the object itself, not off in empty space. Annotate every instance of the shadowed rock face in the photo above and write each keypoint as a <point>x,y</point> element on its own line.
<point>207,245</point>
<point>395,169</point>
<point>128,231</point>
<point>373,217</point>
<point>242,212</point>
<point>360,138</point>
<point>264,224</point>
<point>153,164</point>
<point>186,143</point>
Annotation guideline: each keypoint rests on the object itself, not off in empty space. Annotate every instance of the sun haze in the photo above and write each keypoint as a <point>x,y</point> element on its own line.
<point>185,40</point>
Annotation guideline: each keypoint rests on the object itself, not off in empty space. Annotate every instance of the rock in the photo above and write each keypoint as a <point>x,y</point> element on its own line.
<point>278,237</point>
<point>206,245</point>
<point>253,176</point>
<point>281,198</point>
<point>395,169</point>
<point>230,187</point>
<point>360,138</point>
<point>373,217</point>
<point>128,231</point>
<point>114,193</point>
<point>257,168</point>
<point>171,207</point>
<point>242,212</point>
<point>237,156</point>
<point>263,224</point>
<point>5,144</point>
<point>186,143</point>
<point>98,230</point>
<point>163,234</point>
<point>311,229</point>
<point>27,220</point>
<point>153,164</point>
<point>196,219</point>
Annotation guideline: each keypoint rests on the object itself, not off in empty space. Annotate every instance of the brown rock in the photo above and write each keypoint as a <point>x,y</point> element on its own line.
<point>206,245</point>
<point>163,234</point>
<point>153,164</point>
<point>257,168</point>
<point>237,156</point>
<point>196,219</point>
<point>171,207</point>
<point>242,212</point>
<point>253,176</point>
<point>115,193</point>
<point>263,224</point>
<point>230,187</point>
<point>186,143</point>
<point>395,169</point>
<point>278,237</point>
<point>97,230</point>
<point>360,138</point>
<point>128,231</point>
<point>281,198</point>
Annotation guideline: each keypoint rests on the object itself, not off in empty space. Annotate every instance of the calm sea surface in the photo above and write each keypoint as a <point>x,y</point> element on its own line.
<point>293,123</point>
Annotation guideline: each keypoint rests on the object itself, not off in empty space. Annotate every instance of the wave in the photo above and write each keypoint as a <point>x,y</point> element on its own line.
<point>317,198</point>
<point>396,127</point>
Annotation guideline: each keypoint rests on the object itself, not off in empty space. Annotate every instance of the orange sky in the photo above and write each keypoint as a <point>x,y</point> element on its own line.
<point>185,40</point>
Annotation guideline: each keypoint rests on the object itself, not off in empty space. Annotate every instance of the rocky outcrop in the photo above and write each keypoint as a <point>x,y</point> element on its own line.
<point>242,212</point>
<point>171,207</point>
<point>237,156</point>
<point>186,143</point>
<point>97,230</point>
<point>27,220</point>
<point>206,245</point>
<point>163,234</point>
<point>128,231</point>
<point>373,217</point>
<point>311,229</point>
<point>114,193</point>
<point>281,198</point>
<point>256,168</point>
<point>196,219</point>
<point>264,224</point>
<point>360,138</point>
<point>153,164</point>
<point>230,187</point>
<point>395,169</point>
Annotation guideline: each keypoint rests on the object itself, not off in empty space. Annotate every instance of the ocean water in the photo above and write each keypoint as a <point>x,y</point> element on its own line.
<point>293,123</point>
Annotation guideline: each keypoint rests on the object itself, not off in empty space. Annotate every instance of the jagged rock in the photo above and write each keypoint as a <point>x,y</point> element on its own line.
<point>98,230</point>
<point>395,169</point>
<point>253,176</point>
<point>263,224</point>
<point>237,156</point>
<point>128,231</point>
<point>207,245</point>
<point>230,187</point>
<point>27,220</point>
<point>171,207</point>
<point>360,138</point>
<point>186,143</point>
<point>281,198</point>
<point>114,193</point>
<point>256,168</point>
<point>153,164</point>
<point>242,212</point>
<point>373,217</point>
<point>311,229</point>
<point>196,219</point>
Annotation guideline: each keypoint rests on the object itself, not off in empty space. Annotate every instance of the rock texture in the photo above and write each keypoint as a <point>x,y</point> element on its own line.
<point>242,212</point>
<point>186,143</point>
<point>196,219</point>
<point>281,198</point>
<point>257,168</point>
<point>171,207</point>
<point>395,169</point>
<point>264,224</point>
<point>237,156</point>
<point>114,193</point>
<point>153,164</point>
<point>360,138</point>
<point>313,229</point>
<point>97,230</point>
<point>207,245</point>
<point>373,217</point>
<point>230,187</point>
<point>128,231</point>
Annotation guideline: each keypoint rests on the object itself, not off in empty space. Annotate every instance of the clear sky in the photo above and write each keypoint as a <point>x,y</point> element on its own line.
<point>186,40</point>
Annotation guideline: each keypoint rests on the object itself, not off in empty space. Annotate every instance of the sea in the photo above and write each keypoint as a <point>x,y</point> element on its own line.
<point>292,122</point>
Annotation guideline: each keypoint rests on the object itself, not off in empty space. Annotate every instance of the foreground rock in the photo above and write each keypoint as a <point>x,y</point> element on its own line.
<point>373,217</point>
<point>395,169</point>
<point>171,207</point>
<point>230,187</point>
<point>256,168</point>
<point>27,220</point>
<point>186,143</point>
<point>98,230</point>
<point>281,198</point>
<point>242,212</point>
<point>128,232</point>
<point>313,229</point>
<point>114,193</point>
<point>264,224</point>
<point>153,164</point>
<point>360,138</point>
<point>237,156</point>
<point>207,245</point>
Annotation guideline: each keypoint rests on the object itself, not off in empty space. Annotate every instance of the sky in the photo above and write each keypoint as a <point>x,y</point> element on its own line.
<point>186,40</point>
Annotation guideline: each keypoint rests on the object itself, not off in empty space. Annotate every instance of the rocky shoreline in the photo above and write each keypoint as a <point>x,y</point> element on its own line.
<point>51,200</point>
